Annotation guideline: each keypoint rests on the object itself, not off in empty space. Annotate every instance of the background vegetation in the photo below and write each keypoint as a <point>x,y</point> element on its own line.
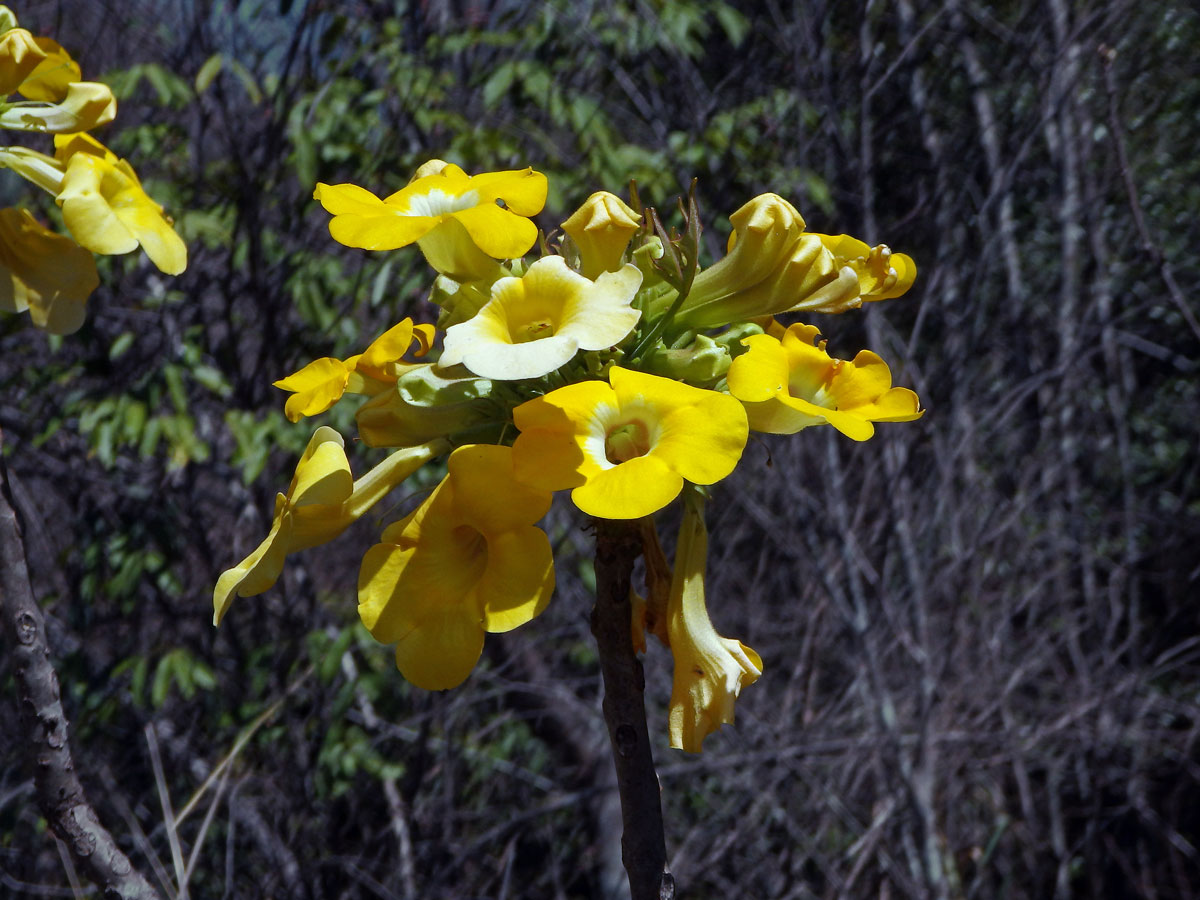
<point>980,632</point>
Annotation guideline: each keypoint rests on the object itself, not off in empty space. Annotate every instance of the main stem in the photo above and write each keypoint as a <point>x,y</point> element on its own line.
<point>44,723</point>
<point>643,847</point>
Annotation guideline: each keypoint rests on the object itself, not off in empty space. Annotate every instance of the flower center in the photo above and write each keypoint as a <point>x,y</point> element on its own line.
<point>626,442</point>
<point>438,203</point>
<point>471,554</point>
<point>537,329</point>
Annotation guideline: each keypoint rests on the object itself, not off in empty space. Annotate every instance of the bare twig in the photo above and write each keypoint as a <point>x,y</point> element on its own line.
<point>59,792</point>
<point>643,846</point>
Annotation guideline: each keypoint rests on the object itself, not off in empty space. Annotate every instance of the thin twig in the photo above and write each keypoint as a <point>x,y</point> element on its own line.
<point>60,795</point>
<point>643,845</point>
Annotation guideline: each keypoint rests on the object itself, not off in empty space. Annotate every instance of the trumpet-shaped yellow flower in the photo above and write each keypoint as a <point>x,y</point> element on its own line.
<point>84,105</point>
<point>321,383</point>
<point>454,217</point>
<point>46,273</point>
<point>468,561</point>
<point>710,670</point>
<point>790,383</point>
<point>536,323</point>
<point>321,502</point>
<point>602,229</point>
<point>626,449</point>
<point>105,208</point>
<point>773,265</point>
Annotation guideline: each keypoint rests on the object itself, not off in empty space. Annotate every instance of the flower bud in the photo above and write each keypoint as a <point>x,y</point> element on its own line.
<point>602,229</point>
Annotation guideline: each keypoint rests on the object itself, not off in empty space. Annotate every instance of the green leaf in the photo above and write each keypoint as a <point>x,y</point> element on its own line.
<point>208,71</point>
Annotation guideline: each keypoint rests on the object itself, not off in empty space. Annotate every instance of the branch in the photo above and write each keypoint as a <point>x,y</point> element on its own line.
<point>44,724</point>
<point>643,846</point>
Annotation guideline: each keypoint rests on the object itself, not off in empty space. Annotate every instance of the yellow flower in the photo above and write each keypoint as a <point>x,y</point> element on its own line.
<point>710,670</point>
<point>790,383</point>
<point>773,265</point>
<point>106,209</point>
<point>469,560</point>
<point>84,105</point>
<point>881,273</point>
<point>625,450</point>
<point>454,217</point>
<point>538,322</point>
<point>602,229</point>
<point>321,502</point>
<point>46,273</point>
<point>322,382</point>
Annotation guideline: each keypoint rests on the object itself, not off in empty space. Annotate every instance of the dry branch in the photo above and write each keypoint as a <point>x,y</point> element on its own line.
<point>59,792</point>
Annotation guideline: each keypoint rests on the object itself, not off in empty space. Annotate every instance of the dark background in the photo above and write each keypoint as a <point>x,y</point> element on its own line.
<point>980,633</point>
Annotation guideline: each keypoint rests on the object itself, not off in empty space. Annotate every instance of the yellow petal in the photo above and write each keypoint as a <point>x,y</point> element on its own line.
<point>315,388</point>
<point>519,579</point>
<point>487,493</point>
<point>442,652</point>
<point>323,473</point>
<point>54,74</point>
<point>522,190</point>
<point>498,232</point>
<point>630,490</point>
<point>258,571</point>
<point>387,348</point>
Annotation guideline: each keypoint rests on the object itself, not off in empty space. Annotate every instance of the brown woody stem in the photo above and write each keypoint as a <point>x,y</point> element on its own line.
<point>643,846</point>
<point>44,724</point>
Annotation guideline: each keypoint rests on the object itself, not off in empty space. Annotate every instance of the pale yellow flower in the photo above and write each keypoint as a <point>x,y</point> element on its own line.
<point>536,323</point>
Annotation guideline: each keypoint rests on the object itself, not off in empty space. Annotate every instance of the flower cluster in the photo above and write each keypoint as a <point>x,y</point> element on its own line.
<point>613,366</point>
<point>103,204</point>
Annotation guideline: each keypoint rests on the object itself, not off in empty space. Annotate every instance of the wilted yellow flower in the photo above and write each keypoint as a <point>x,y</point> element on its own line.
<point>625,450</point>
<point>602,229</point>
<point>321,502</point>
<point>322,382</point>
<point>454,217</point>
<point>710,670</point>
<point>50,79</point>
<point>469,560</point>
<point>538,322</point>
<point>46,273</point>
<point>106,209</point>
<point>790,383</point>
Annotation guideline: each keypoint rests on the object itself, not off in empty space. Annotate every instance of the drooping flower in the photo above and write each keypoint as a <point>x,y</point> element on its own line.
<point>710,670</point>
<point>602,229</point>
<point>790,383</point>
<point>321,383</point>
<point>46,273</point>
<point>51,77</point>
<point>321,502</point>
<point>536,323</point>
<point>469,560</point>
<point>625,449</point>
<point>106,209</point>
<point>454,217</point>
